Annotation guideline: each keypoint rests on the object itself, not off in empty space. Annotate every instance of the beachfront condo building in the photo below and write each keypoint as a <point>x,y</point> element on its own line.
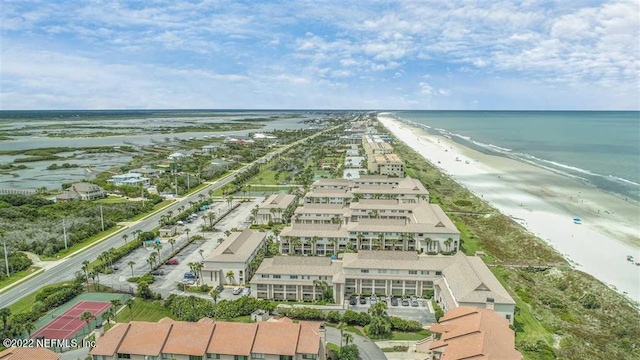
<point>271,210</point>
<point>386,164</point>
<point>208,339</point>
<point>344,191</point>
<point>230,262</point>
<point>453,281</point>
<point>369,224</point>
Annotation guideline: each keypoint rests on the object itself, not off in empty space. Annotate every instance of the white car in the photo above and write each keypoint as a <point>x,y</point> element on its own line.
<point>236,290</point>
<point>246,291</point>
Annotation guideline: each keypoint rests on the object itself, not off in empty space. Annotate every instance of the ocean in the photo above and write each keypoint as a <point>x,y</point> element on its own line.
<point>598,148</point>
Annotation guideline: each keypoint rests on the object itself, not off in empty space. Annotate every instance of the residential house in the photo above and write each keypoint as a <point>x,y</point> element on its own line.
<point>180,154</point>
<point>471,333</point>
<point>82,191</point>
<point>28,353</point>
<point>147,172</point>
<point>134,179</point>
<point>272,208</point>
<point>230,262</point>
<point>208,339</point>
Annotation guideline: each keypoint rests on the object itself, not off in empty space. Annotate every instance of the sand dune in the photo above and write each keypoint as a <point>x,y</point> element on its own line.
<point>545,203</point>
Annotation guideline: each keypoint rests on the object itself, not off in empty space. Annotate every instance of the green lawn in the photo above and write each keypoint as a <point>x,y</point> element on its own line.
<point>17,276</point>
<point>111,199</point>
<point>527,326</point>
<point>144,311</point>
<point>267,178</point>
<point>156,207</point>
<point>409,336</point>
<point>85,244</point>
<point>26,302</point>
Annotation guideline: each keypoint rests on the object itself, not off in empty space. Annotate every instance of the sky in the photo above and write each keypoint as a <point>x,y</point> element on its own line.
<point>311,54</point>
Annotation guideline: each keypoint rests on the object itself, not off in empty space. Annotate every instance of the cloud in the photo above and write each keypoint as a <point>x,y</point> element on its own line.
<point>581,49</point>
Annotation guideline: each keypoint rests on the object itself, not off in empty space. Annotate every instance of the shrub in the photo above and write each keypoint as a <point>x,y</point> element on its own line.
<point>404,325</point>
<point>306,314</point>
<point>356,318</point>
<point>334,317</point>
<point>438,310</point>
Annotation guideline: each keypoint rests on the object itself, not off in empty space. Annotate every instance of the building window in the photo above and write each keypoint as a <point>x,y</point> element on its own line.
<point>508,317</point>
<point>286,357</point>
<point>213,356</point>
<point>309,356</point>
<point>364,271</point>
<point>438,272</point>
<point>265,276</point>
<point>239,357</point>
<point>276,276</point>
<point>195,357</point>
<point>257,356</point>
<point>167,356</point>
<point>99,357</point>
<point>124,356</point>
<point>424,272</point>
<point>382,271</point>
<point>413,272</point>
<point>293,276</point>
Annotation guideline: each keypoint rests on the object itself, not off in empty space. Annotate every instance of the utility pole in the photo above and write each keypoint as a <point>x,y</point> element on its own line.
<point>64,233</point>
<point>188,179</point>
<point>175,183</point>
<point>101,218</point>
<point>6,256</point>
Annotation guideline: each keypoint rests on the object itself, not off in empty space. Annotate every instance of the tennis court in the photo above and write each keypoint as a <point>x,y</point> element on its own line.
<point>66,325</point>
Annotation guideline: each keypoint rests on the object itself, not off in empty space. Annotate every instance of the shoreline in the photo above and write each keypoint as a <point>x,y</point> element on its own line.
<point>543,202</point>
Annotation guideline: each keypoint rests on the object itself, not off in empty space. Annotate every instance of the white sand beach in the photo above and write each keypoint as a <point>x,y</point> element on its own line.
<point>545,203</point>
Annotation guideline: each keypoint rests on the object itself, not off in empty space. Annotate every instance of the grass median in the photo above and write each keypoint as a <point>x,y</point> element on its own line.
<point>6,283</point>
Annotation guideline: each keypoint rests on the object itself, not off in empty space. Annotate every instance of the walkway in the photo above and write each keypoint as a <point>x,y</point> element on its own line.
<point>368,349</point>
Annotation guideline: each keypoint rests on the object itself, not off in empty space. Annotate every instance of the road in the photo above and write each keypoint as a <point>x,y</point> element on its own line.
<point>66,269</point>
<point>368,349</point>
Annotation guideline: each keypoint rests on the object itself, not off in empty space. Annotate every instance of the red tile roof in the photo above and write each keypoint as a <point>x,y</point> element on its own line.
<point>23,353</point>
<point>206,336</point>
<point>472,333</point>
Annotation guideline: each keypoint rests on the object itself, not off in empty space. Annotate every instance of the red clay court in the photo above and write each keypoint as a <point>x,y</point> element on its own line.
<point>69,323</point>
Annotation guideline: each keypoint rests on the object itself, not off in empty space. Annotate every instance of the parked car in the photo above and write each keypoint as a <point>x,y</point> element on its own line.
<point>180,223</point>
<point>246,291</point>
<point>363,300</point>
<point>394,301</point>
<point>173,261</point>
<point>405,302</point>
<point>190,275</point>
<point>157,272</point>
<point>373,299</point>
<point>383,299</point>
<point>414,302</point>
<point>353,300</point>
<point>220,288</point>
<point>236,290</point>
<point>189,281</point>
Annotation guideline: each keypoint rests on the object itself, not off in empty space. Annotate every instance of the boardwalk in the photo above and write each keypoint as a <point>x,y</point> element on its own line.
<point>18,191</point>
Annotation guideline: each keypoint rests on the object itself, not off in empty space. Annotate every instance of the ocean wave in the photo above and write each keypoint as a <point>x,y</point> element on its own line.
<point>619,179</point>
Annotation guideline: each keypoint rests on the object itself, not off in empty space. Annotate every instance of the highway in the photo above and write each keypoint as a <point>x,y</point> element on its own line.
<point>66,269</point>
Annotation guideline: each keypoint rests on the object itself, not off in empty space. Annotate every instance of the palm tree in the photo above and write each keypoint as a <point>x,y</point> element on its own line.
<point>4,314</point>
<point>85,268</point>
<point>108,315</point>
<point>125,237</point>
<point>334,241</point>
<point>150,262</point>
<point>447,243</point>
<point>227,233</point>
<point>381,243</point>
<point>394,241</point>
<point>29,327</point>
<point>294,243</point>
<point>157,247</point>
<point>172,242</point>
<point>187,231</point>
<point>87,316</point>
<point>229,201</point>
<point>360,237</point>
<point>214,295</point>
<point>200,252</point>
<point>131,263</point>
<point>211,218</point>
<point>313,242</point>
<point>341,327</point>
<point>348,337</point>
<point>230,276</point>
<point>129,304</point>
<point>377,242</point>
<point>428,243</point>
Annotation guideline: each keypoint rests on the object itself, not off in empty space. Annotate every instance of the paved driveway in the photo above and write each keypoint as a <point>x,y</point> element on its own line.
<point>368,349</point>
<point>420,314</point>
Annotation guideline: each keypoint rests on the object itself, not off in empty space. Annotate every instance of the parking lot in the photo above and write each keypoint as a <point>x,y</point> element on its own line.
<point>173,274</point>
<point>420,313</point>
